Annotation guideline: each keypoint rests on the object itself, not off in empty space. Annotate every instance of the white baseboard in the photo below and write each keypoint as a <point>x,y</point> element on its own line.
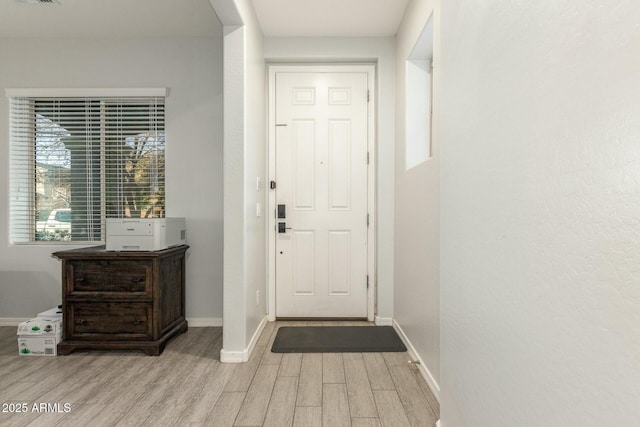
<point>233,356</point>
<point>13,321</point>
<point>194,322</point>
<point>424,370</point>
<point>244,355</point>
<point>201,322</point>
<point>383,321</point>
<point>256,336</point>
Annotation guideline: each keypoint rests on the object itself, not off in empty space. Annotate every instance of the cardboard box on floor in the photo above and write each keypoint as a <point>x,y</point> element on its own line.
<point>54,313</point>
<point>39,337</point>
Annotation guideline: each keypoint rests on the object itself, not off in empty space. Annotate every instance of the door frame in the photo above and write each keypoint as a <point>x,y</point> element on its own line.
<point>370,70</point>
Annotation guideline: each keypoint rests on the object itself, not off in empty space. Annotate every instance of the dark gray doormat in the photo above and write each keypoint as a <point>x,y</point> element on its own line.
<point>337,339</point>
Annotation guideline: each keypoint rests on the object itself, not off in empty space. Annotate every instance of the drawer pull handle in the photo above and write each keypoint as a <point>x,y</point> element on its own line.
<point>79,322</point>
<point>136,280</point>
<point>137,322</point>
<point>80,279</point>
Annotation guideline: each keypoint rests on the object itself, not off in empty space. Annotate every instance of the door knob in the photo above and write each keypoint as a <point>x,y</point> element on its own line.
<point>282,227</point>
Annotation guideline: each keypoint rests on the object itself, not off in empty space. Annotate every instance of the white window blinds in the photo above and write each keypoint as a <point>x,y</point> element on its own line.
<point>78,160</point>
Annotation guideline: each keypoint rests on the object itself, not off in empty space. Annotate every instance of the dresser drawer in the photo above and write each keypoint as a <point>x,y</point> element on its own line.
<point>109,276</point>
<point>109,321</point>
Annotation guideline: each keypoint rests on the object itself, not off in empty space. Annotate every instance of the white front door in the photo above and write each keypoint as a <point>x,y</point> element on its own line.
<point>321,194</point>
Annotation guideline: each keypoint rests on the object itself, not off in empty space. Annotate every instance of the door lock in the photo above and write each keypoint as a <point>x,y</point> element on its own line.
<point>282,212</point>
<point>282,227</point>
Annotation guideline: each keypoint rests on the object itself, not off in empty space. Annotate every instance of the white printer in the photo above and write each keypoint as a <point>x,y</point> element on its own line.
<point>143,234</point>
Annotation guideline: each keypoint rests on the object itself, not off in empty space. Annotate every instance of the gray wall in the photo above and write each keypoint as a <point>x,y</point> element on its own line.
<point>416,307</point>
<point>540,208</point>
<point>192,70</point>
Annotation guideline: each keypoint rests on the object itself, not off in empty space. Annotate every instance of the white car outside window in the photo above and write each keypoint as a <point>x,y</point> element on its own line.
<point>59,220</point>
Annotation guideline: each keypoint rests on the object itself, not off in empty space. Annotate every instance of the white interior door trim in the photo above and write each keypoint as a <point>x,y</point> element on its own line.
<point>371,176</point>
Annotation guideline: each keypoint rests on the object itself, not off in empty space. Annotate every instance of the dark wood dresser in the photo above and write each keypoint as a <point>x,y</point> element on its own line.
<point>122,300</point>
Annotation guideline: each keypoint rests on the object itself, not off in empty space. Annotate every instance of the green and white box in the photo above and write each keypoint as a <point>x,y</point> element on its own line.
<point>54,313</point>
<point>39,337</point>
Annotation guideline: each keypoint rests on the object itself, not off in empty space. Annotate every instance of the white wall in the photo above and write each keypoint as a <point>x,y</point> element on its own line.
<point>192,69</point>
<point>255,168</point>
<point>540,208</point>
<point>417,221</point>
<point>244,162</point>
<point>382,51</point>
<point>234,313</point>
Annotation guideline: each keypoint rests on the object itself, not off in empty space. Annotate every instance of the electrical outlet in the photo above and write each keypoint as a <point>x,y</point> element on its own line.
<point>258,297</point>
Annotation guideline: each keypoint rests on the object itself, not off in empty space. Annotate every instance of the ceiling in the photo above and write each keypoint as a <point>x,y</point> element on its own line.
<point>196,18</point>
<point>109,18</point>
<point>330,18</point>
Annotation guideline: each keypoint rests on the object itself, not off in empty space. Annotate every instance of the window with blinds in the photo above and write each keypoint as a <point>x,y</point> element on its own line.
<point>78,160</point>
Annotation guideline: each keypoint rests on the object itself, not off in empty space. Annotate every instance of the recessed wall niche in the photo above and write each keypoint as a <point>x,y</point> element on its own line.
<point>418,98</point>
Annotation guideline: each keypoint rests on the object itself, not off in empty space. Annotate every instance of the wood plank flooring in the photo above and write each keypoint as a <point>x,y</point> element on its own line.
<point>188,386</point>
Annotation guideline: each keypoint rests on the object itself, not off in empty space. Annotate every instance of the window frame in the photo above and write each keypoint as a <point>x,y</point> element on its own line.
<point>104,95</point>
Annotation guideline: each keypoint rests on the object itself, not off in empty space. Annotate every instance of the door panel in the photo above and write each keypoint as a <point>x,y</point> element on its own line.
<point>304,163</point>
<point>303,262</point>
<point>339,164</point>
<point>321,175</point>
<point>339,262</point>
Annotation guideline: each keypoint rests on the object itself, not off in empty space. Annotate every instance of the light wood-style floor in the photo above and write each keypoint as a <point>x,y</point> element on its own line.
<point>187,385</point>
